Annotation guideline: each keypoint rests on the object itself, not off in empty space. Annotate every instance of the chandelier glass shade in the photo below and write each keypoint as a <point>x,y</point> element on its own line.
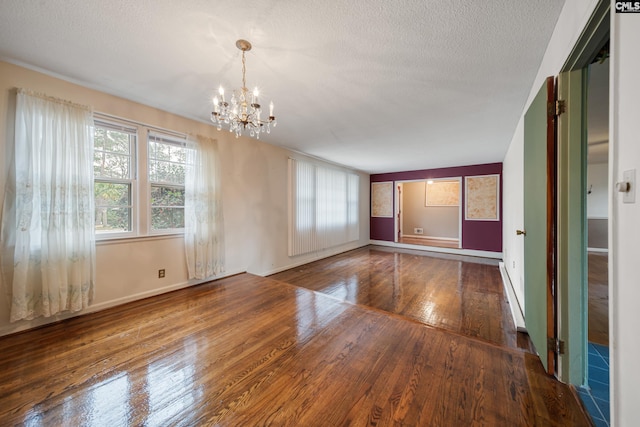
<point>243,111</point>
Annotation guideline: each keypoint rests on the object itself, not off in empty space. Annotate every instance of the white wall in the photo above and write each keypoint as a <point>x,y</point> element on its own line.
<point>598,182</point>
<point>254,195</point>
<point>571,22</point>
<point>624,154</point>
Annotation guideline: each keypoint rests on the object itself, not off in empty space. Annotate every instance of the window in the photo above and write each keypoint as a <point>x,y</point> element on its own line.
<point>139,182</point>
<point>323,207</point>
<point>114,173</point>
<point>167,164</point>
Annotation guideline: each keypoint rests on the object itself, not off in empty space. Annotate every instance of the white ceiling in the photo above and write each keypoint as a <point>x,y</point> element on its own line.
<point>378,85</point>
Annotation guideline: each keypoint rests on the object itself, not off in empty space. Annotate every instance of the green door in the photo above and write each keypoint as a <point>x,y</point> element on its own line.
<point>537,290</point>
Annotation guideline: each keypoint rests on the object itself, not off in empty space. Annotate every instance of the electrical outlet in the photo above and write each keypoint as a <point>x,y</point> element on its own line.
<point>514,264</point>
<point>161,273</point>
<point>418,231</point>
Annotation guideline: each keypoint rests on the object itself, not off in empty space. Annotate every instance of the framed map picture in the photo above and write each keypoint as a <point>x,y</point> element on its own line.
<point>382,199</point>
<point>482,198</point>
<point>442,193</point>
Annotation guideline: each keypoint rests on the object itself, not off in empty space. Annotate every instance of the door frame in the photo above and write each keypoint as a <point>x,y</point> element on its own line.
<point>399,205</point>
<point>399,208</point>
<point>572,284</point>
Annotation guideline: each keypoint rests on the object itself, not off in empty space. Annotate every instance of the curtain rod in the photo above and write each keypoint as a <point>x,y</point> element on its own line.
<point>52,98</point>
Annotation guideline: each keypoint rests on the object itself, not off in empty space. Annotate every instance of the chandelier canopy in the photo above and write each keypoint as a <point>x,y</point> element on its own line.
<point>244,110</point>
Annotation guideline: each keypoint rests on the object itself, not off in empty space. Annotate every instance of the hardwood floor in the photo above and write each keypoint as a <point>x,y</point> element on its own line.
<point>457,293</point>
<point>247,350</point>
<point>598,298</point>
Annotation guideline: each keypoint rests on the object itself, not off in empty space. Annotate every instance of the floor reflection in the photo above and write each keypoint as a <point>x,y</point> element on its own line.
<point>171,386</point>
<point>312,315</point>
<point>110,402</point>
<point>459,293</point>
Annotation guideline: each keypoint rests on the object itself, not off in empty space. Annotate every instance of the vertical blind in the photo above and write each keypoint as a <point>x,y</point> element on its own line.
<point>323,205</point>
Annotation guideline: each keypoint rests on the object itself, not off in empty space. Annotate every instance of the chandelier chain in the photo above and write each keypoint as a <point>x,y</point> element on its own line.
<point>244,72</point>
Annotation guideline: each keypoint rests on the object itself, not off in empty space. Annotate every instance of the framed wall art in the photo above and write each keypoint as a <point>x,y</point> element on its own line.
<point>382,199</point>
<point>442,193</point>
<point>482,198</point>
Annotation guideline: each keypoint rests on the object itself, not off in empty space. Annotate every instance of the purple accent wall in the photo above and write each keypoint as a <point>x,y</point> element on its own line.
<point>479,235</point>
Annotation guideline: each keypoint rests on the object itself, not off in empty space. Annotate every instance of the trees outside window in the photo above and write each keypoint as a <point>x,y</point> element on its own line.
<point>139,182</point>
<point>113,169</point>
<point>167,164</point>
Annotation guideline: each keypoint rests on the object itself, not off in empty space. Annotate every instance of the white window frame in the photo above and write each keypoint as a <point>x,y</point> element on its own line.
<point>132,181</point>
<point>140,182</point>
<point>165,139</point>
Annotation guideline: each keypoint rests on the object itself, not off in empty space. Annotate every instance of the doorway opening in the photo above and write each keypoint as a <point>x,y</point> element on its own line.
<point>429,212</point>
<point>596,395</point>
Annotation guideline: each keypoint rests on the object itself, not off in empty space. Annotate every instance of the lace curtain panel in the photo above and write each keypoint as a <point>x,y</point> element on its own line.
<point>204,225</point>
<point>48,241</point>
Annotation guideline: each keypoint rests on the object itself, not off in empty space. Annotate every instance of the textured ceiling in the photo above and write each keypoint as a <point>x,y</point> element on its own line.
<point>377,85</point>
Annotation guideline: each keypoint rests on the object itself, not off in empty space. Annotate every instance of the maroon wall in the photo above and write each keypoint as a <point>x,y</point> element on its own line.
<point>480,235</point>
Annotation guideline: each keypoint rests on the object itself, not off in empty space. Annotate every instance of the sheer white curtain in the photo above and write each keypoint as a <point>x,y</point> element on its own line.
<point>47,222</point>
<point>203,228</point>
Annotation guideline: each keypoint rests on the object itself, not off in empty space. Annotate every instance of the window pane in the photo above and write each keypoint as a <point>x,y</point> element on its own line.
<point>113,207</point>
<point>162,171</point>
<point>112,194</point>
<point>167,162</point>
<point>112,220</point>
<point>167,218</point>
<point>167,158</point>
<point>109,165</point>
<point>158,150</point>
<point>113,141</point>
<point>113,153</point>
<point>167,196</point>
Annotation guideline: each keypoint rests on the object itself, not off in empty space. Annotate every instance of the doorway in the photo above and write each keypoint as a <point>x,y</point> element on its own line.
<point>596,395</point>
<point>583,181</point>
<point>429,212</point>
<point>566,342</point>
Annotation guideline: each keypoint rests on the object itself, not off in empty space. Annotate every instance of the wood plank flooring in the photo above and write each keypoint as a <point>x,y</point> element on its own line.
<point>598,298</point>
<point>247,351</point>
<point>457,293</point>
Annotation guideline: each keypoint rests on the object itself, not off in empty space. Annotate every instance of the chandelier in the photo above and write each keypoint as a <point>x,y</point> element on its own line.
<point>243,111</point>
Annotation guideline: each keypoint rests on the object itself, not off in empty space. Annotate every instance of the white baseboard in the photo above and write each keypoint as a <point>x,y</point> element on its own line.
<point>455,251</point>
<point>599,250</point>
<point>516,310</point>
<point>421,236</point>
